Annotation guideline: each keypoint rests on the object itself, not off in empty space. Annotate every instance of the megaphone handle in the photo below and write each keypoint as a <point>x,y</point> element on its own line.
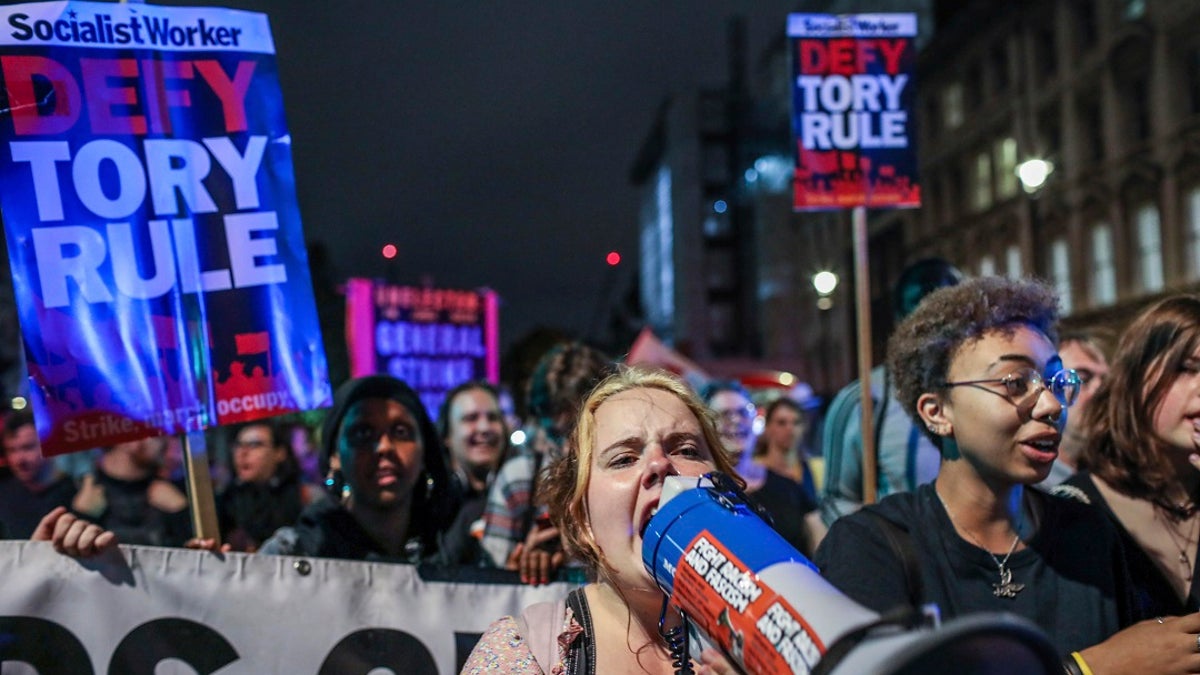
<point>676,639</point>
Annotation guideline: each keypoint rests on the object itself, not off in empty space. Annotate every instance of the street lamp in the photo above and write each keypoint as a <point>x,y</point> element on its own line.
<point>1033,174</point>
<point>824,283</point>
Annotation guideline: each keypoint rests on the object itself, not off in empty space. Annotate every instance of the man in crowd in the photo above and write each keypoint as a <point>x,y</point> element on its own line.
<point>35,487</point>
<point>906,458</point>
<point>472,425</point>
<point>1083,352</point>
<point>126,496</point>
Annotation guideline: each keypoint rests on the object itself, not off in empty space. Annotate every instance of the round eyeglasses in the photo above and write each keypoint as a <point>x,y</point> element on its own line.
<point>1021,385</point>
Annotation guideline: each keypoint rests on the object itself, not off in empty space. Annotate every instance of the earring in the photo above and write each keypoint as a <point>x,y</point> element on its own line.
<point>336,486</point>
<point>932,428</point>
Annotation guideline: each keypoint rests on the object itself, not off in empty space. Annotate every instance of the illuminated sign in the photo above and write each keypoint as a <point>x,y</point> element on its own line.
<point>432,338</point>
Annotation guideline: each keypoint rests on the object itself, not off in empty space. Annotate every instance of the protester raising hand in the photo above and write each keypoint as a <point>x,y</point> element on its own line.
<point>72,535</point>
<point>539,556</point>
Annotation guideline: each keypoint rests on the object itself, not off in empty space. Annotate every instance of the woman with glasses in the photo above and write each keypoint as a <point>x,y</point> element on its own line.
<point>1139,465</point>
<point>976,366</point>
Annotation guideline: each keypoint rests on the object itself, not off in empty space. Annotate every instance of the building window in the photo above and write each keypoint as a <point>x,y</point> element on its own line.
<point>954,203</point>
<point>1050,131</point>
<point>721,324</point>
<point>1193,233</point>
<point>1149,247</point>
<point>1091,123</point>
<point>658,256</point>
<point>981,186</point>
<point>1137,108</point>
<point>1047,53</point>
<point>999,59</point>
<point>973,88</point>
<point>719,269</point>
<point>1005,154</point>
<point>1060,272</point>
<point>1012,261</point>
<point>952,106</point>
<point>1104,269</point>
<point>1193,79</point>
<point>987,266</point>
<point>1088,34</point>
<point>717,225</point>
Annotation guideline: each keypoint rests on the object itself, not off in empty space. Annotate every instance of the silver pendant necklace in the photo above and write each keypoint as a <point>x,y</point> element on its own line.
<point>1184,559</point>
<point>1005,587</point>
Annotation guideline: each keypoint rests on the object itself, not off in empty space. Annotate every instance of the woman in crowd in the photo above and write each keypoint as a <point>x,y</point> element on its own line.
<point>778,447</point>
<point>976,365</point>
<point>390,482</point>
<point>1143,430</point>
<point>635,429</point>
<point>794,513</point>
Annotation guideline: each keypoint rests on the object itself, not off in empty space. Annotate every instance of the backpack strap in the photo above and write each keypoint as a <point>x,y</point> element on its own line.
<point>540,625</point>
<point>900,540</point>
<point>880,408</point>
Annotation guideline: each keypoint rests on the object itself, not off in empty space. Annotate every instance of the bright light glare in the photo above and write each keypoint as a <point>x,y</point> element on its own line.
<point>613,258</point>
<point>19,403</point>
<point>720,206</point>
<point>825,282</point>
<point>517,437</point>
<point>1033,173</point>
<point>389,251</point>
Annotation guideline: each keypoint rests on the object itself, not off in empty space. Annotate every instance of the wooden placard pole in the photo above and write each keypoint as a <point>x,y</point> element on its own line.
<point>199,487</point>
<point>862,305</point>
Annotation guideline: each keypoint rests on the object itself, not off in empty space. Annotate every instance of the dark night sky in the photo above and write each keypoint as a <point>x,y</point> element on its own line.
<point>490,140</point>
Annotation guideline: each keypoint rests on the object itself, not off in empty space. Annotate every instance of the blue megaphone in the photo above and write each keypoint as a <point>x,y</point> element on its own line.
<point>744,589</point>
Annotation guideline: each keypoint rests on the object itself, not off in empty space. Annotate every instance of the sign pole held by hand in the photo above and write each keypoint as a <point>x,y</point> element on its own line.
<point>862,305</point>
<point>199,487</point>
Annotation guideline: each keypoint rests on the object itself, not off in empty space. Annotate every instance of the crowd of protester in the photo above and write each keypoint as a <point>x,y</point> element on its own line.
<point>1025,471</point>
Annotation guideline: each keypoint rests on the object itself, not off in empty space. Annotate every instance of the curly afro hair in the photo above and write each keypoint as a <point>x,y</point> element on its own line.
<point>924,344</point>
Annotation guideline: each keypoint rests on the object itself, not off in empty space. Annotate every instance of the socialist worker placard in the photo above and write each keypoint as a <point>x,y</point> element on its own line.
<point>153,233</point>
<point>852,98</point>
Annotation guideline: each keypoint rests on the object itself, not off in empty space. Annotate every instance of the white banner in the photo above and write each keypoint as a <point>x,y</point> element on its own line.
<point>160,611</point>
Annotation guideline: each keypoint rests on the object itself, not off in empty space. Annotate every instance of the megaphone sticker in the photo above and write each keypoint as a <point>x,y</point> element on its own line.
<point>733,606</point>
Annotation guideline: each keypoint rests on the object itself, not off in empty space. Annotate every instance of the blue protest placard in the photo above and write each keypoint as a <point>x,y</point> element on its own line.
<point>153,233</point>
<point>853,93</point>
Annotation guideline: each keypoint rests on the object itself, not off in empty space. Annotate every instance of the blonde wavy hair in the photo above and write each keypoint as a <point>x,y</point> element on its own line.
<point>564,488</point>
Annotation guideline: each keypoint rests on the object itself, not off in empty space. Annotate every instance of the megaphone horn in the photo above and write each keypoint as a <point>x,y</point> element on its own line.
<point>750,593</point>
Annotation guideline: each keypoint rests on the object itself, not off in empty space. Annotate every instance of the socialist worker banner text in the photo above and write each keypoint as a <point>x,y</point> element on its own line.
<point>149,204</point>
<point>852,96</point>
